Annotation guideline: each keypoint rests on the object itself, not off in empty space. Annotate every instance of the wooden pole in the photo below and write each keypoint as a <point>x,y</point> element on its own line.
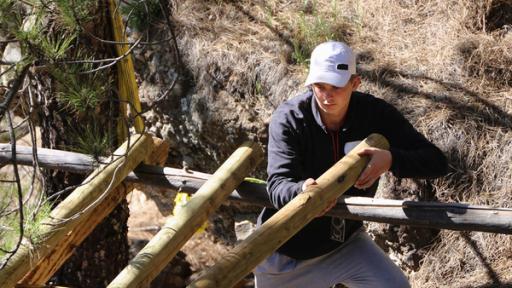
<point>453,216</point>
<point>150,261</point>
<point>65,217</point>
<point>288,220</point>
<point>48,265</point>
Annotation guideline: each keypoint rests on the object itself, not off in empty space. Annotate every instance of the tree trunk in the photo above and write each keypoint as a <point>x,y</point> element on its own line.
<point>106,251</point>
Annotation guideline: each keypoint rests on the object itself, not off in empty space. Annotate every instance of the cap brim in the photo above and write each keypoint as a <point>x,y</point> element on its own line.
<point>334,79</point>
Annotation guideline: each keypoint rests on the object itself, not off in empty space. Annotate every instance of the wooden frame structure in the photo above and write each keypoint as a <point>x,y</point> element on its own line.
<point>74,218</point>
<point>288,220</point>
<point>210,191</point>
<point>452,216</point>
<point>150,261</point>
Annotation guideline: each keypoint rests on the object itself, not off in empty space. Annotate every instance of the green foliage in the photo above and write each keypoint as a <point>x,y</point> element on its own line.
<point>91,139</point>
<point>9,224</point>
<point>311,31</point>
<point>34,222</point>
<point>38,39</point>
<point>142,14</point>
<point>55,46</point>
<point>10,16</point>
<point>48,47</point>
<point>258,87</point>
<point>72,12</point>
<point>316,28</point>
<point>79,93</point>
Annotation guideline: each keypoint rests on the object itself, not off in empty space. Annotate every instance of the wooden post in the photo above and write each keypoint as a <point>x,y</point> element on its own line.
<point>65,217</point>
<point>150,261</point>
<point>288,220</point>
<point>47,266</point>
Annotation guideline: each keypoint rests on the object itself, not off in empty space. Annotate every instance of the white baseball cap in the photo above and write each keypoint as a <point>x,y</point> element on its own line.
<point>332,63</point>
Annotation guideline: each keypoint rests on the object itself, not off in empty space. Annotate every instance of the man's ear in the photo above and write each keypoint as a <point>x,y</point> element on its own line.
<point>356,81</point>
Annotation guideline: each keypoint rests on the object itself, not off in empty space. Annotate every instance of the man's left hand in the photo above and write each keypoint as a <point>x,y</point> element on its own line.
<point>380,162</point>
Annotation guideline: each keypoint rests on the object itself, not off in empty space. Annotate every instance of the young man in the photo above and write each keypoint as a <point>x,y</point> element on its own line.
<point>307,135</point>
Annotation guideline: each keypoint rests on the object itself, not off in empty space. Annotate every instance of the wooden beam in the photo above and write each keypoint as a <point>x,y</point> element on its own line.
<point>307,205</point>
<point>453,216</point>
<point>48,265</point>
<point>65,217</point>
<point>150,261</point>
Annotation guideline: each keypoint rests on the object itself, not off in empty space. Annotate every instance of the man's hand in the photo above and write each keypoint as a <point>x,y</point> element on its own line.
<point>380,162</point>
<point>308,182</point>
<point>311,181</point>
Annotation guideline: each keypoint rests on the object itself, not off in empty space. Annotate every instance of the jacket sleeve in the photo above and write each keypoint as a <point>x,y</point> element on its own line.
<point>284,161</point>
<point>413,155</point>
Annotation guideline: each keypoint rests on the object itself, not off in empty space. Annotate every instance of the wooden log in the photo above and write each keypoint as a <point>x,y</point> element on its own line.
<point>453,216</point>
<point>49,158</point>
<point>150,261</point>
<point>159,155</point>
<point>64,218</point>
<point>241,260</point>
<point>49,264</point>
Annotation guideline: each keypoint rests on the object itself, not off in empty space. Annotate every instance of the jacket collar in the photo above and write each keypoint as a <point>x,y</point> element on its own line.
<point>350,113</point>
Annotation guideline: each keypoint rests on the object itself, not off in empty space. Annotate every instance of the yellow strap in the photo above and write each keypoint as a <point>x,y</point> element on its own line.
<point>254,180</point>
<point>180,201</point>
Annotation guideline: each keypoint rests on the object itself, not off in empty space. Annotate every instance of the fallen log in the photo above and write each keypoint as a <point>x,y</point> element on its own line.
<point>80,203</point>
<point>452,216</point>
<point>148,263</point>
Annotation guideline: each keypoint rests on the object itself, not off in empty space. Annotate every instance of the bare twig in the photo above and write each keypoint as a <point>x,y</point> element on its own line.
<point>2,62</point>
<point>128,42</point>
<point>117,59</point>
<point>22,122</point>
<point>8,69</point>
<point>20,194</point>
<point>8,41</point>
<point>177,58</point>
<point>12,92</point>
<point>173,36</point>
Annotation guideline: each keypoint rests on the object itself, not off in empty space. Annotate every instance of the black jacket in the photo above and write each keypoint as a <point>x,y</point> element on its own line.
<point>300,147</point>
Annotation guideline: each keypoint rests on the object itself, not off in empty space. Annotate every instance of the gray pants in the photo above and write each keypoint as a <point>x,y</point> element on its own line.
<point>359,262</point>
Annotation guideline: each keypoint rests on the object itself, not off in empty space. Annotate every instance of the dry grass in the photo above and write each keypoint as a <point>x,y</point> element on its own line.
<point>444,64</point>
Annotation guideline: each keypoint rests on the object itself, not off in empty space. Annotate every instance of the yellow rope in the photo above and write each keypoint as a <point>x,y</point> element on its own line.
<point>128,90</point>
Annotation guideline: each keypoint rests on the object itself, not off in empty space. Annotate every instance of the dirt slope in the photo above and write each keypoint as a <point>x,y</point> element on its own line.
<point>444,64</point>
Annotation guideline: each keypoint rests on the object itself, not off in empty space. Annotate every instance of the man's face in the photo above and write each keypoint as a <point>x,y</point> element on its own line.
<point>333,101</point>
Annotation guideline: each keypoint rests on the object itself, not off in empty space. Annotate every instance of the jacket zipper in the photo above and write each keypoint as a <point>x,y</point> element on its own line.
<point>335,145</point>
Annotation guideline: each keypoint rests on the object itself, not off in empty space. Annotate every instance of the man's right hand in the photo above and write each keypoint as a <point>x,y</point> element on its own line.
<point>311,181</point>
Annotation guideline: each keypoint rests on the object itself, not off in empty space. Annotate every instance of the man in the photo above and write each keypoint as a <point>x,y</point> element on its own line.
<point>307,135</point>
